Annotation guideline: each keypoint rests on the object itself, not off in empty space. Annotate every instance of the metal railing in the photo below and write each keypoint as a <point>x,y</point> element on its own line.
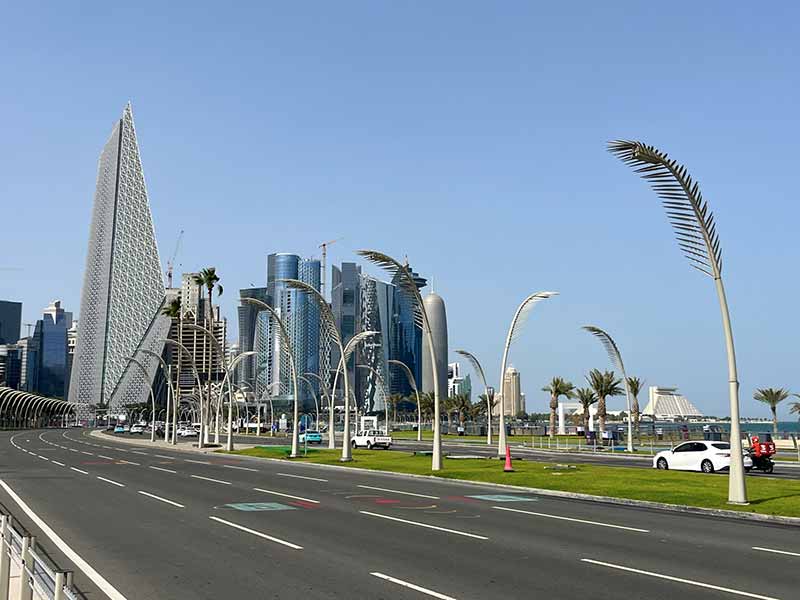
<point>26,572</point>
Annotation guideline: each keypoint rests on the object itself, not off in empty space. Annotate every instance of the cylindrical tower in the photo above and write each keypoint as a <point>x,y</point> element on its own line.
<point>434,307</point>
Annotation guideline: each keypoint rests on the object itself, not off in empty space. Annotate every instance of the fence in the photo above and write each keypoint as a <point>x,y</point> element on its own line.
<point>26,572</point>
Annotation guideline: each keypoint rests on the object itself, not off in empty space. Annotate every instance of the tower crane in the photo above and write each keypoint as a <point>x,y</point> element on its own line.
<point>171,260</point>
<point>324,246</point>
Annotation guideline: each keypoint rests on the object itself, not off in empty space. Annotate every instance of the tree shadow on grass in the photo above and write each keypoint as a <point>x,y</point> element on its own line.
<point>782,497</point>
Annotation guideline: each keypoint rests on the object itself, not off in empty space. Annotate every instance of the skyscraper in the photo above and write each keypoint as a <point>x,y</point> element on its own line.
<point>346,307</point>
<point>50,339</point>
<point>511,397</point>
<point>377,314</point>
<point>434,307</point>
<point>122,287</point>
<point>10,321</point>
<point>406,338</point>
<point>248,314</point>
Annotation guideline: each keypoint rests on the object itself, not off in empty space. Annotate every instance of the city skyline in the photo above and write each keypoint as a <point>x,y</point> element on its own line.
<point>472,177</point>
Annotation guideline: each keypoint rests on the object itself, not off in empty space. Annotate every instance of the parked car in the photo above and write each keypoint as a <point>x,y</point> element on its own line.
<point>372,438</point>
<point>187,432</point>
<point>698,456</point>
<point>119,429</point>
<point>137,429</point>
<point>310,437</point>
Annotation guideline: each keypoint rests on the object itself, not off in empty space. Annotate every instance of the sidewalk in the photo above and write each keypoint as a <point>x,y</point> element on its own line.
<point>182,446</point>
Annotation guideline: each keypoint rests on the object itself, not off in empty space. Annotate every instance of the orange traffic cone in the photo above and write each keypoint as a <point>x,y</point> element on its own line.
<point>508,468</point>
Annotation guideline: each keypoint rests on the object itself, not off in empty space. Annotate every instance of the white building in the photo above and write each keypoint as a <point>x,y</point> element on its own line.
<point>456,382</point>
<point>511,397</point>
<point>667,404</point>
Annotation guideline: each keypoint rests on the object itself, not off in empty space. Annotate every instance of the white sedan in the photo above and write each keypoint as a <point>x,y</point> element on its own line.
<point>698,456</point>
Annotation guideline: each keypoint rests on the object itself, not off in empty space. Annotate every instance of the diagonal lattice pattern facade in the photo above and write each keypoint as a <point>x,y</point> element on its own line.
<point>122,288</point>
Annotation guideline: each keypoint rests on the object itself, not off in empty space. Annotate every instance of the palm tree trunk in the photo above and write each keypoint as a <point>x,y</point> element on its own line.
<point>774,409</point>
<point>636,415</point>
<point>553,409</point>
<point>585,420</point>
<point>601,417</point>
<point>210,361</point>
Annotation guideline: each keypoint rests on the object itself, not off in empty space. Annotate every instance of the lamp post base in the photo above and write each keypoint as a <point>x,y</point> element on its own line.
<point>346,459</point>
<point>738,503</point>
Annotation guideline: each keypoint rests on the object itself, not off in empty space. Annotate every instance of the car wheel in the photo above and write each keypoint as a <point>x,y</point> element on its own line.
<point>369,445</point>
<point>661,463</point>
<point>707,466</point>
<point>769,469</point>
<point>353,444</point>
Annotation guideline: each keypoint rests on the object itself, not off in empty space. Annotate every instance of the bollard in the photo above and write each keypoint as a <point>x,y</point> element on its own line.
<point>5,559</point>
<point>59,586</point>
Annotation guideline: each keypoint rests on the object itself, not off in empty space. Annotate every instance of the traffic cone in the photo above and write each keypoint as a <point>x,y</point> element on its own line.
<point>508,468</point>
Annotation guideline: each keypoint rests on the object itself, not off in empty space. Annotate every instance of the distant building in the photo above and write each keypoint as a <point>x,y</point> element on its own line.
<point>10,321</point>
<point>406,339</point>
<point>346,307</point>
<point>377,314</point>
<point>248,317</point>
<point>437,317</point>
<point>50,339</point>
<point>512,397</point>
<point>668,404</point>
<point>456,383</point>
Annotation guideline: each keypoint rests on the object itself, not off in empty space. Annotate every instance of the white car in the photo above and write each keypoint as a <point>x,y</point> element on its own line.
<point>372,438</point>
<point>137,429</point>
<point>187,432</point>
<point>698,456</point>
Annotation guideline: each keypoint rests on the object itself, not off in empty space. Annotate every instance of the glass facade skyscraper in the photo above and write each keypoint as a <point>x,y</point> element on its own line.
<point>50,339</point>
<point>248,314</point>
<point>406,342</point>
<point>10,321</point>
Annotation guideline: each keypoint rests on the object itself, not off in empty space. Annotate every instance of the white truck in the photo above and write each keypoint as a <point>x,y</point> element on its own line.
<point>371,438</point>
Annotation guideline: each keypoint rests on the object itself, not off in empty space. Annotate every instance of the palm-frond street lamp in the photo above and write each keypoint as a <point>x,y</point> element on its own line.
<point>221,353</point>
<point>323,388</point>
<point>408,286</point>
<point>616,360</point>
<point>286,343</point>
<point>132,360</point>
<point>413,383</point>
<point>514,331</point>
<point>182,348</point>
<point>479,370</point>
<point>696,232</point>
<point>231,369</point>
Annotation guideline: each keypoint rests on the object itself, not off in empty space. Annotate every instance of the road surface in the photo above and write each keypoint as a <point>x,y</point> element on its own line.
<point>161,523</point>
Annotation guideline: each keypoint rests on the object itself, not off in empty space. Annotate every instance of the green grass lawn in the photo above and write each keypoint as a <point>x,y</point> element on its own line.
<point>767,496</point>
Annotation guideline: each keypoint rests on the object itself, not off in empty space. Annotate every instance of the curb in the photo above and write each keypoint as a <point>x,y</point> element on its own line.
<point>662,506</point>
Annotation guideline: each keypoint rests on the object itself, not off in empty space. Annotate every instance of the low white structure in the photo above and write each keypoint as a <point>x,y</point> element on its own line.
<point>566,409</point>
<point>667,404</point>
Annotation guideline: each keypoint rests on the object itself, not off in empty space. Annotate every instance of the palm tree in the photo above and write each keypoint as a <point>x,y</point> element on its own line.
<point>604,384</point>
<point>586,397</point>
<point>173,311</point>
<point>558,387</point>
<point>635,386</point>
<point>462,406</point>
<point>209,279</point>
<point>394,400</point>
<point>772,397</point>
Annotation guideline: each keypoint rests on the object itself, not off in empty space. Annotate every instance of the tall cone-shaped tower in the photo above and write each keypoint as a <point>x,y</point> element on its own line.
<point>122,288</point>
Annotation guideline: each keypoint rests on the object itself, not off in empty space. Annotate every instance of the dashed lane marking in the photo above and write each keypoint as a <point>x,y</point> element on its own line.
<point>412,586</point>
<point>286,495</point>
<point>111,481</point>
<point>80,470</point>
<point>240,468</point>
<point>369,487</point>
<point>55,462</point>
<point>149,495</point>
<point>425,525</point>
<point>162,469</point>
<point>785,552</point>
<point>210,479</point>
<point>197,462</point>
<point>560,518</point>
<point>257,533</point>
<point>302,477</point>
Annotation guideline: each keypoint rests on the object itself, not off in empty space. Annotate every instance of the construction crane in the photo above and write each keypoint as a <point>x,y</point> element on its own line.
<point>324,246</point>
<point>171,261</point>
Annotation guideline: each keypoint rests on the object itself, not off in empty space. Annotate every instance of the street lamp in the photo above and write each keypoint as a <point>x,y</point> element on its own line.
<point>514,331</point>
<point>182,348</point>
<point>152,397</point>
<point>479,370</point>
<point>385,393</point>
<point>616,360</point>
<point>313,395</point>
<point>696,233</point>
<point>170,388</point>
<point>413,383</point>
<point>408,286</point>
<point>227,379</point>
<point>323,387</point>
<point>287,344</point>
<point>221,354</point>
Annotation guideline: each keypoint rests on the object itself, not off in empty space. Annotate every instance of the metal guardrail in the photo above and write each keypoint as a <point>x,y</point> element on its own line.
<point>38,576</point>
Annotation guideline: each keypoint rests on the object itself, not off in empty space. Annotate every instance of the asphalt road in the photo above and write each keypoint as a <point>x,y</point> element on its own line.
<point>159,523</point>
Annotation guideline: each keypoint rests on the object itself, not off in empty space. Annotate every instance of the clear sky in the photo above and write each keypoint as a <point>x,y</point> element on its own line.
<point>468,135</point>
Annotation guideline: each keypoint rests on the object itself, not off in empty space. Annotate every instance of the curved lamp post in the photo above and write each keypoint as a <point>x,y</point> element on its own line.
<point>221,353</point>
<point>313,395</point>
<point>234,363</point>
<point>616,360</point>
<point>696,232</point>
<point>152,397</point>
<point>514,331</point>
<point>403,276</point>
<point>287,344</point>
<point>479,370</point>
<point>181,347</point>
<point>322,388</point>
<point>385,393</point>
<point>413,383</point>
<point>170,387</point>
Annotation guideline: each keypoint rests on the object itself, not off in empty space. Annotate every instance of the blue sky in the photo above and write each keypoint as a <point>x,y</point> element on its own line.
<point>468,135</point>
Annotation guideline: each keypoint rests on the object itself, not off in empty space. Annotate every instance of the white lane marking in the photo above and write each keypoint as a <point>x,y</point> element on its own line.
<point>369,487</point>
<point>197,462</point>
<point>162,456</point>
<point>560,518</point>
<point>286,495</point>
<point>44,458</point>
<point>142,453</point>
<point>787,553</point>
<point>87,453</point>
<point>210,479</point>
<point>73,450</point>
<point>129,462</point>
<point>110,481</point>
<point>161,499</point>
<point>412,586</point>
<point>80,471</point>
<point>108,589</point>
<point>55,462</point>
<point>678,579</point>
<point>302,477</point>
<point>163,469</point>
<point>453,531</point>
<point>106,457</point>
<point>240,468</point>
<point>258,533</point>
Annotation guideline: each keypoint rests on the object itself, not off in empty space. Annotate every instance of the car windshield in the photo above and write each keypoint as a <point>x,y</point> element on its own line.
<point>722,446</point>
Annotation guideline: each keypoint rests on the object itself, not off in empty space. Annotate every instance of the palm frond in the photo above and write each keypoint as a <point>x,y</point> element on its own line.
<point>406,371</point>
<point>689,214</point>
<point>401,277</point>
<point>475,364</point>
<point>326,314</point>
<point>355,341</point>
<point>523,312</point>
<point>608,344</point>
